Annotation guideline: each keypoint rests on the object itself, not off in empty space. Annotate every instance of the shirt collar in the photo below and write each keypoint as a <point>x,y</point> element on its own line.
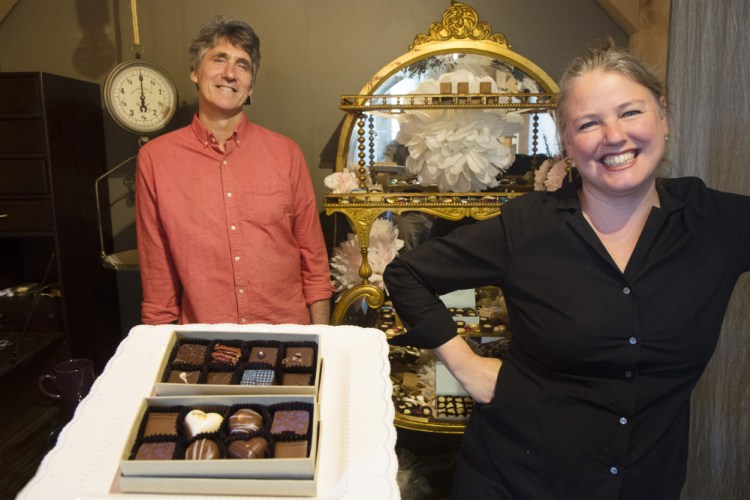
<point>568,195</point>
<point>207,137</point>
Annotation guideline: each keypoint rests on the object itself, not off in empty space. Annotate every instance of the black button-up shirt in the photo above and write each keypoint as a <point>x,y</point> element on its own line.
<point>593,398</point>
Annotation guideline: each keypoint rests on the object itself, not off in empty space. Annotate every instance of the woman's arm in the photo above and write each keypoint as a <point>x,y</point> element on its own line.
<point>476,374</point>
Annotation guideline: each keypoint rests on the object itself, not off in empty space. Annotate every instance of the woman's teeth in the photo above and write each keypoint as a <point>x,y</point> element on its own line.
<point>617,160</point>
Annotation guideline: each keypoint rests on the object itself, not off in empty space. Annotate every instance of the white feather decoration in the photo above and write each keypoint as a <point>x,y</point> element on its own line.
<point>382,249</point>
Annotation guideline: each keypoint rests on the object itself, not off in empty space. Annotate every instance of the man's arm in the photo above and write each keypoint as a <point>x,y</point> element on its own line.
<point>320,312</point>
<point>161,288</point>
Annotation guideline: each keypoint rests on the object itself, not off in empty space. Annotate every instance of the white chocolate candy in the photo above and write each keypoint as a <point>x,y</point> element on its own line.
<point>197,422</point>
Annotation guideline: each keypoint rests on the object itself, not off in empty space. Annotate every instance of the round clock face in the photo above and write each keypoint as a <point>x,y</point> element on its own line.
<point>140,96</point>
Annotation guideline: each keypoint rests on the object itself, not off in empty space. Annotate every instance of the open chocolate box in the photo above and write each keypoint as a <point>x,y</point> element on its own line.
<point>223,445</point>
<point>234,363</point>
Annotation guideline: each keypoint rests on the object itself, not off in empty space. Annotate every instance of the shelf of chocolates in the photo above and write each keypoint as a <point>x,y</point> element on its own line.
<point>417,404</point>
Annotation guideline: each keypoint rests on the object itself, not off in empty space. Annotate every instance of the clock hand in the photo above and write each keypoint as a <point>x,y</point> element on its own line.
<point>144,108</point>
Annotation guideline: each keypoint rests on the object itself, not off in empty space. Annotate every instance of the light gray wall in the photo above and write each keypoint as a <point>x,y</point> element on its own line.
<point>313,51</point>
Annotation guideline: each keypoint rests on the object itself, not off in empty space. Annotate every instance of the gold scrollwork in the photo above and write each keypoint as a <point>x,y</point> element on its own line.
<point>460,21</point>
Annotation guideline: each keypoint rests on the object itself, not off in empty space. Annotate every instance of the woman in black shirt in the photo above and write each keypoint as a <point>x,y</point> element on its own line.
<point>616,287</point>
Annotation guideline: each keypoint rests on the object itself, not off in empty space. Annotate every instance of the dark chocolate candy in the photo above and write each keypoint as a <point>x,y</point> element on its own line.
<point>296,421</point>
<point>219,378</point>
<point>298,357</point>
<point>155,451</point>
<point>190,354</point>
<point>264,355</point>
<point>160,423</point>
<point>245,420</point>
<point>256,447</point>
<point>202,449</point>
<point>183,377</point>
<point>290,449</point>
<point>296,379</point>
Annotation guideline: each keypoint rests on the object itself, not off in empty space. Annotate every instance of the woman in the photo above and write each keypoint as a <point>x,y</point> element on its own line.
<point>616,287</point>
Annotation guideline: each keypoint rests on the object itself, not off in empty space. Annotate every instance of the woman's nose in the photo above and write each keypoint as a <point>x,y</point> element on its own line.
<point>614,133</point>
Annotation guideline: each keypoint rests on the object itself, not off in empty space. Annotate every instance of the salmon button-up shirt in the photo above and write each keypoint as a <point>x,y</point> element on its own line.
<point>228,236</point>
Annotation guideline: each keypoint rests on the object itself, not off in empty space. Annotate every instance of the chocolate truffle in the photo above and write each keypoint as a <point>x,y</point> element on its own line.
<point>256,447</point>
<point>202,449</point>
<point>296,379</point>
<point>290,449</point>
<point>183,377</point>
<point>266,355</point>
<point>219,378</point>
<point>296,421</point>
<point>155,451</point>
<point>298,356</point>
<point>225,354</point>
<point>160,423</point>
<point>197,422</point>
<point>258,377</point>
<point>190,354</point>
<point>245,420</point>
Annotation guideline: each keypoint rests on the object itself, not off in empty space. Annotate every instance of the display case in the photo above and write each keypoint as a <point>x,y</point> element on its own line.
<point>439,132</point>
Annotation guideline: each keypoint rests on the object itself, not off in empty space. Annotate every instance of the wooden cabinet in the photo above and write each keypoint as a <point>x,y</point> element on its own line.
<point>51,152</point>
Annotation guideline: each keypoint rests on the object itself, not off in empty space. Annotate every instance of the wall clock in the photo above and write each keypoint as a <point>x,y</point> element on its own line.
<point>140,96</point>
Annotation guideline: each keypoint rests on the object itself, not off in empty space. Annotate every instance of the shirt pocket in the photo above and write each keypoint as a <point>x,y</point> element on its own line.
<point>268,204</point>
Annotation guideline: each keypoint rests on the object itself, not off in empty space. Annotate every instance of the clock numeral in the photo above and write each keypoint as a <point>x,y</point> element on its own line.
<point>131,113</point>
<point>122,90</point>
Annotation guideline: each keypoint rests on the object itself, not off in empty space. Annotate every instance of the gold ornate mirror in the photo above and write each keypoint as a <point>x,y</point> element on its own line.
<point>434,134</point>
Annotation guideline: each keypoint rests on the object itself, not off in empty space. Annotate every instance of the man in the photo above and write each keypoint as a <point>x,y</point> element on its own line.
<point>228,230</point>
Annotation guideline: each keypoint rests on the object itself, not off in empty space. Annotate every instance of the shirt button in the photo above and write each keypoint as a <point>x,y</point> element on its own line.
<point>628,374</point>
<point>236,258</point>
<point>229,195</point>
<point>623,420</point>
<point>225,162</point>
<point>626,290</point>
<point>232,228</point>
<point>613,470</point>
<point>242,320</point>
<point>242,290</point>
<point>633,340</point>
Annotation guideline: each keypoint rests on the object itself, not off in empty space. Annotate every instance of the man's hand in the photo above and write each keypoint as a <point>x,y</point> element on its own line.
<point>476,374</point>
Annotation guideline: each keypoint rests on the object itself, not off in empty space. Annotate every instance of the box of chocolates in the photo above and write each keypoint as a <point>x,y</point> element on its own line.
<point>227,442</point>
<point>234,363</point>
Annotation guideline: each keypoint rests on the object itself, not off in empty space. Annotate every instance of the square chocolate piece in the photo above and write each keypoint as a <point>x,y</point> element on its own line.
<point>190,354</point>
<point>296,421</point>
<point>225,354</point>
<point>258,377</point>
<point>266,355</point>
<point>219,378</point>
<point>161,423</point>
<point>296,379</point>
<point>155,451</point>
<point>183,377</point>
<point>290,449</point>
<point>298,357</point>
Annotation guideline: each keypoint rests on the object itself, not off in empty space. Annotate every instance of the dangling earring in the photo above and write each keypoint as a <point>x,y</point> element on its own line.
<point>569,165</point>
<point>249,100</point>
